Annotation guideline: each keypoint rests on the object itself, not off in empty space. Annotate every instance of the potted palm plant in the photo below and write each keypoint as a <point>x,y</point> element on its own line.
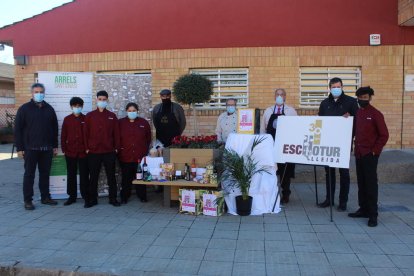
<point>238,173</point>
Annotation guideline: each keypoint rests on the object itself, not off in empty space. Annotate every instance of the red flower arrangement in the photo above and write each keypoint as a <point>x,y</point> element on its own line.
<point>195,142</point>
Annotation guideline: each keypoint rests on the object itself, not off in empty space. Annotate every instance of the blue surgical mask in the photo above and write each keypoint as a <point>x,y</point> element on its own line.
<point>102,104</point>
<point>279,100</point>
<point>231,109</point>
<point>76,110</point>
<point>132,115</point>
<point>38,97</point>
<point>336,92</point>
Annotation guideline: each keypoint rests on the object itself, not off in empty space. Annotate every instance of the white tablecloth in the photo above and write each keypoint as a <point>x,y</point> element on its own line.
<point>263,188</point>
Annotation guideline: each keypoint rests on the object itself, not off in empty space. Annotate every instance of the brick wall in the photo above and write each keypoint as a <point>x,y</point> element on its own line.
<point>405,11</point>
<point>269,67</point>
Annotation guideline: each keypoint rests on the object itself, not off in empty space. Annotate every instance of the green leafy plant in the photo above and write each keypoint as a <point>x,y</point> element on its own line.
<point>191,89</point>
<point>239,169</point>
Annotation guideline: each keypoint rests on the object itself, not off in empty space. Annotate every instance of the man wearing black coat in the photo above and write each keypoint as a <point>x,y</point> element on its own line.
<point>36,138</point>
<point>337,104</point>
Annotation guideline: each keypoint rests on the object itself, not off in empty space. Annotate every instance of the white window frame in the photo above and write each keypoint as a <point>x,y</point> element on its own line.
<point>351,77</point>
<point>220,88</point>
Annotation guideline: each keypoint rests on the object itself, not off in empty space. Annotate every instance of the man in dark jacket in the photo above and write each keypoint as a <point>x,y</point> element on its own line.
<point>371,135</point>
<point>169,119</point>
<point>337,104</point>
<point>36,138</point>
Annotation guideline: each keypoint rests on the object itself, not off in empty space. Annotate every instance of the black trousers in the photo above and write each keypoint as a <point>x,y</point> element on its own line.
<point>286,171</point>
<point>129,171</point>
<point>366,169</point>
<point>344,181</point>
<point>42,160</point>
<point>95,161</point>
<point>72,166</point>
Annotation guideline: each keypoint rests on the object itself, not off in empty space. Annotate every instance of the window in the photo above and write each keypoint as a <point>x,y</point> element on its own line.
<point>227,83</point>
<point>314,83</point>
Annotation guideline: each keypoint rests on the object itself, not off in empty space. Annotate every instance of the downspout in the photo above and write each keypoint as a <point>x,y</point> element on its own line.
<point>403,94</point>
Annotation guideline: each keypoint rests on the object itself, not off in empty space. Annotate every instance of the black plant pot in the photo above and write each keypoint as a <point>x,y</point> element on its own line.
<point>244,207</point>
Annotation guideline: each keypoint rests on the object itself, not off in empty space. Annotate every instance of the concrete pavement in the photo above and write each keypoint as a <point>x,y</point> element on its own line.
<point>149,239</point>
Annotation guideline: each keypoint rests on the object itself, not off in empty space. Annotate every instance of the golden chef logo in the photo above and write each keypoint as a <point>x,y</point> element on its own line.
<point>311,147</point>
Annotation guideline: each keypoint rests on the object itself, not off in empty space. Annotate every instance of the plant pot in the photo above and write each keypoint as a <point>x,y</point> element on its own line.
<point>244,207</point>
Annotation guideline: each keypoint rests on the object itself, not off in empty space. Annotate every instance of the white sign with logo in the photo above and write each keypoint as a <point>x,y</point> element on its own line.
<point>314,140</point>
<point>209,205</point>
<point>60,88</point>
<point>188,201</point>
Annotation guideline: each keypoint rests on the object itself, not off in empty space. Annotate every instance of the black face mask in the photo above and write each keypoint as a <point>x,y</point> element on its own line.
<point>363,103</point>
<point>166,101</point>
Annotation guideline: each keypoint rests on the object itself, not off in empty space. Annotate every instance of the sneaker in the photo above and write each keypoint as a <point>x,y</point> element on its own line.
<point>28,205</point>
<point>49,201</point>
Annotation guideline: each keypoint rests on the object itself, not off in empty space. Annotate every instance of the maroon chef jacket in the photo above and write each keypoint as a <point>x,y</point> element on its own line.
<point>371,133</point>
<point>101,133</point>
<point>135,139</point>
<point>71,138</point>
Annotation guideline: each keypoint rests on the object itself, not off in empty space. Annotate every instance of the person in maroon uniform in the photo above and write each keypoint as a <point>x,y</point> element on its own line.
<point>101,136</point>
<point>71,140</point>
<point>135,136</point>
<point>371,135</point>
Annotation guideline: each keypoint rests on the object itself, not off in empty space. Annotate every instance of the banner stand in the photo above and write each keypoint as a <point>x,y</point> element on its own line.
<point>316,189</point>
<point>316,185</point>
<point>330,191</point>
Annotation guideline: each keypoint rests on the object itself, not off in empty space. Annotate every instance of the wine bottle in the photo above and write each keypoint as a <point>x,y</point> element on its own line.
<point>145,169</point>
<point>193,168</point>
<point>139,170</point>
<point>187,172</point>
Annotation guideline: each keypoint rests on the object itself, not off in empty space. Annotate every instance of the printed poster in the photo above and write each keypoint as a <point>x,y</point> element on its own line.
<point>245,120</point>
<point>209,205</point>
<point>188,201</point>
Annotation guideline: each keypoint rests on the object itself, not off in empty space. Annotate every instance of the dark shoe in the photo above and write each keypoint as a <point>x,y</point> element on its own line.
<point>28,205</point>
<point>341,208</point>
<point>124,201</point>
<point>94,202</point>
<point>87,204</point>
<point>49,201</point>
<point>372,222</point>
<point>358,214</point>
<point>69,201</point>
<point>324,204</point>
<point>143,200</point>
<point>285,199</point>
<point>114,203</point>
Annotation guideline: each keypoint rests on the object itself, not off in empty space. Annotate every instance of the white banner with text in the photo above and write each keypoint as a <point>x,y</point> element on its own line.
<point>314,140</point>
